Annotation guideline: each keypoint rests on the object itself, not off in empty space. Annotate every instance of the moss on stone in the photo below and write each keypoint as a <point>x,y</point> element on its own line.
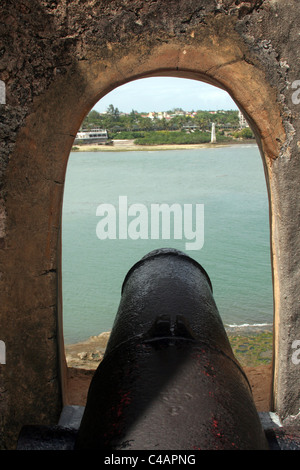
<point>252,349</point>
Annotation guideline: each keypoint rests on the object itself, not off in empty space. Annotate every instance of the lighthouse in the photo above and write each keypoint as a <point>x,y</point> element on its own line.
<point>213,133</point>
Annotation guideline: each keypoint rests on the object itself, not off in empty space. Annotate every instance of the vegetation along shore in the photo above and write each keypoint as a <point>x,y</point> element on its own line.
<point>169,130</point>
<point>249,347</point>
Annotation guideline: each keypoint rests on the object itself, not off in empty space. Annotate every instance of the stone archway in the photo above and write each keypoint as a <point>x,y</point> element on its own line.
<point>217,50</point>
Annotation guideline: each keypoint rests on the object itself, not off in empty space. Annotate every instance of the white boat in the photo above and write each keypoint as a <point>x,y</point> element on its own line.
<point>92,136</point>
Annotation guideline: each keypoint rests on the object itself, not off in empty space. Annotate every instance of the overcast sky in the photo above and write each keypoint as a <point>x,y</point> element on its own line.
<point>166,93</point>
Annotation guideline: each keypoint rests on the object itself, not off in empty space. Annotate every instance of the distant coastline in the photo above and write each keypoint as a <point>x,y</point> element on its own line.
<point>128,145</point>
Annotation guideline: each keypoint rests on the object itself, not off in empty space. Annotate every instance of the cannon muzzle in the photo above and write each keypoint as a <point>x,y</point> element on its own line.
<point>169,379</point>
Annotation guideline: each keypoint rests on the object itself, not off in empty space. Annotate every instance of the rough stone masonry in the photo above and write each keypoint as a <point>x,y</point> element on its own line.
<point>57,59</point>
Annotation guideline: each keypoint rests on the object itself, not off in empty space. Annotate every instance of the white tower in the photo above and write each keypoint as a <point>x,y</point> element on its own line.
<point>213,133</point>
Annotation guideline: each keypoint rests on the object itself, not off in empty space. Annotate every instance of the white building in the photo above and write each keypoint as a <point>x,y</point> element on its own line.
<point>243,122</point>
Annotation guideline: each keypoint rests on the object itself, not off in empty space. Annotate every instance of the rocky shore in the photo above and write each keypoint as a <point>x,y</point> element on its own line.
<point>253,350</point>
<point>87,354</point>
<point>250,348</point>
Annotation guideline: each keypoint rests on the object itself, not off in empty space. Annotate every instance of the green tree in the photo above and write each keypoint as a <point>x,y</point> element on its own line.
<point>113,112</point>
<point>245,133</point>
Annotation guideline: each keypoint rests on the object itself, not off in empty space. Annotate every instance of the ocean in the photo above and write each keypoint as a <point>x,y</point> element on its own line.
<point>228,183</point>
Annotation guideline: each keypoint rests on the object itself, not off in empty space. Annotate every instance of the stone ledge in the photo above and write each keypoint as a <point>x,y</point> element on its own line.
<point>63,436</point>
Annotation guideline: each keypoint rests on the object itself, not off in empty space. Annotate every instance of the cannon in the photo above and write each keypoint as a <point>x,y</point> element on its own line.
<point>169,379</point>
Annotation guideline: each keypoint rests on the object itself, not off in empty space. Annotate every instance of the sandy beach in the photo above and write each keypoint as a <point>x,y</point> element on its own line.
<point>128,145</point>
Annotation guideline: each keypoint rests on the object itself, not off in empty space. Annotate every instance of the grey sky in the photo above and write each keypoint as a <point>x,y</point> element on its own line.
<point>165,93</point>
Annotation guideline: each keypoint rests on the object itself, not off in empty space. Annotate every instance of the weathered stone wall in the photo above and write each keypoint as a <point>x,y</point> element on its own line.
<point>57,59</point>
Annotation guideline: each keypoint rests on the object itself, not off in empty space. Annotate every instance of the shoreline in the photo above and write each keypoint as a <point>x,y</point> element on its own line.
<point>251,345</point>
<point>129,146</point>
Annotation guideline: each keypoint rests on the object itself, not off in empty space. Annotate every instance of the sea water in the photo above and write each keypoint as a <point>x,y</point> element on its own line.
<point>230,184</point>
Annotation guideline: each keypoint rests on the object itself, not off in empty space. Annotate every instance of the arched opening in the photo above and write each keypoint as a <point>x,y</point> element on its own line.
<point>228,179</point>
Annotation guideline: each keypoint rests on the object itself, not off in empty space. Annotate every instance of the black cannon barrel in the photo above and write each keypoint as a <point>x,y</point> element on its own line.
<point>169,379</point>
